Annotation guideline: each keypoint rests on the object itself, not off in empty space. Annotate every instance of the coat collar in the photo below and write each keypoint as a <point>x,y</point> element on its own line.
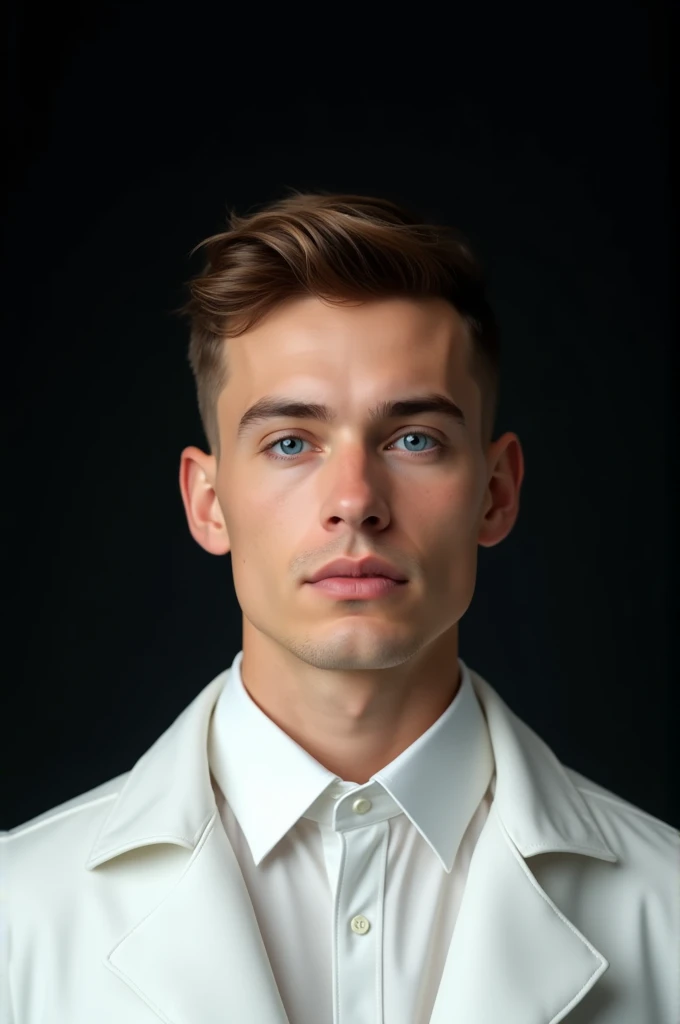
<point>168,796</point>
<point>514,955</point>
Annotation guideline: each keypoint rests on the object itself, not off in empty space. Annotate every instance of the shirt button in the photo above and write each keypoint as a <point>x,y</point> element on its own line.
<point>361,805</point>
<point>360,924</point>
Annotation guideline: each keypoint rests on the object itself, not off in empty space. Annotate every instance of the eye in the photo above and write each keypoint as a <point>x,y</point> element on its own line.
<point>420,434</point>
<point>438,445</point>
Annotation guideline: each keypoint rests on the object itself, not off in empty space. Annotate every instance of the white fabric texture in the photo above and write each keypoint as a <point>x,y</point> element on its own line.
<point>316,863</point>
<point>541,899</point>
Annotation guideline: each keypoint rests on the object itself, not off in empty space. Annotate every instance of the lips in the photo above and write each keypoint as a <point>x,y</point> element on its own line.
<point>371,566</point>
<point>360,588</point>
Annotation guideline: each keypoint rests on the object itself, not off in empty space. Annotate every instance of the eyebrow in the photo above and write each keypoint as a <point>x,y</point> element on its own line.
<point>274,406</point>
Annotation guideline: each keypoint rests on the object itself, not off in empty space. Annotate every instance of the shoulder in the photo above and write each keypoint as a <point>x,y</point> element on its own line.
<point>64,827</point>
<point>83,802</point>
<point>641,840</point>
<point>53,845</point>
<point>611,807</point>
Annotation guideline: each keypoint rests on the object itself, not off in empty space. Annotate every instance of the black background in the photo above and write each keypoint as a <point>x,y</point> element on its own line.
<point>544,135</point>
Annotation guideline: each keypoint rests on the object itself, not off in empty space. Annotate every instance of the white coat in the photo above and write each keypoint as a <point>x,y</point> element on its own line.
<point>126,905</point>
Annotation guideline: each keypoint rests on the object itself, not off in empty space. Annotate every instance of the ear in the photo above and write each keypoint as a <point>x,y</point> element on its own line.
<point>505,461</point>
<point>197,475</point>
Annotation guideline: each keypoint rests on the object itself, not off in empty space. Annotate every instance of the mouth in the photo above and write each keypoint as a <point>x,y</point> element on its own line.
<point>363,587</point>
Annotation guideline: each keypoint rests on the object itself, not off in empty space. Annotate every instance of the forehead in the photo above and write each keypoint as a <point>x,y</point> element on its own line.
<point>356,352</point>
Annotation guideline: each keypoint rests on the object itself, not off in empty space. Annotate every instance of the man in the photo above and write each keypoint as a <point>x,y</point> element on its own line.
<point>348,825</point>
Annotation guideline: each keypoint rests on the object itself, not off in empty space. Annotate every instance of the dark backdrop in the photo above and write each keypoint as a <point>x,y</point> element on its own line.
<point>132,129</point>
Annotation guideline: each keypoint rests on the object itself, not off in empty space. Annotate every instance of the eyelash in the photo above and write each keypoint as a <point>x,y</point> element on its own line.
<point>296,437</point>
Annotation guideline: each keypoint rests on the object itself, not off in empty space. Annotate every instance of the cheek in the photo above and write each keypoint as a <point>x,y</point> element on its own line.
<point>259,509</point>
<point>265,531</point>
<point>445,510</point>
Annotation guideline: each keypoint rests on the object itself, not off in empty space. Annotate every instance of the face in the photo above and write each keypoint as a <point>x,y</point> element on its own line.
<point>416,490</point>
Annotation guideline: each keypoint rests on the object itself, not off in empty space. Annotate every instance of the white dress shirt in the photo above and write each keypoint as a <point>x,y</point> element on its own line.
<point>355,888</point>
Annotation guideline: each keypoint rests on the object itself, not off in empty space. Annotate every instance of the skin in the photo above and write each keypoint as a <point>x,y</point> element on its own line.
<point>353,682</point>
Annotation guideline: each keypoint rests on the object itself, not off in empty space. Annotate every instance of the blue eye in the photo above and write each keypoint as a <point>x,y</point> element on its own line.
<point>294,437</point>
<point>419,433</point>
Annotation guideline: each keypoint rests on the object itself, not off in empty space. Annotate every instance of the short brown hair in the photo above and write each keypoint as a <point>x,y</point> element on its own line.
<point>339,248</point>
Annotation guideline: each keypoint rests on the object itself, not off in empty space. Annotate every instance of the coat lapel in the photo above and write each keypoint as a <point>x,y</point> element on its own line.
<point>514,956</point>
<point>199,956</point>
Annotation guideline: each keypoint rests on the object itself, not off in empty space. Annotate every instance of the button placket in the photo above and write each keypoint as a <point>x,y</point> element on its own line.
<point>359,916</point>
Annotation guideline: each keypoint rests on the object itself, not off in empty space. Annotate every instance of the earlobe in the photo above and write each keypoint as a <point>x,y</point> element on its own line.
<point>496,528</point>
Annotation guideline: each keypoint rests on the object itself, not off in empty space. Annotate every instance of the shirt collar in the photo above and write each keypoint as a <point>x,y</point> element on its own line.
<point>270,781</point>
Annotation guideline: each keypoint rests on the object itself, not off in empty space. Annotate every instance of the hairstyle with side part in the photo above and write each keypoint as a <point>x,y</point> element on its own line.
<point>340,248</point>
